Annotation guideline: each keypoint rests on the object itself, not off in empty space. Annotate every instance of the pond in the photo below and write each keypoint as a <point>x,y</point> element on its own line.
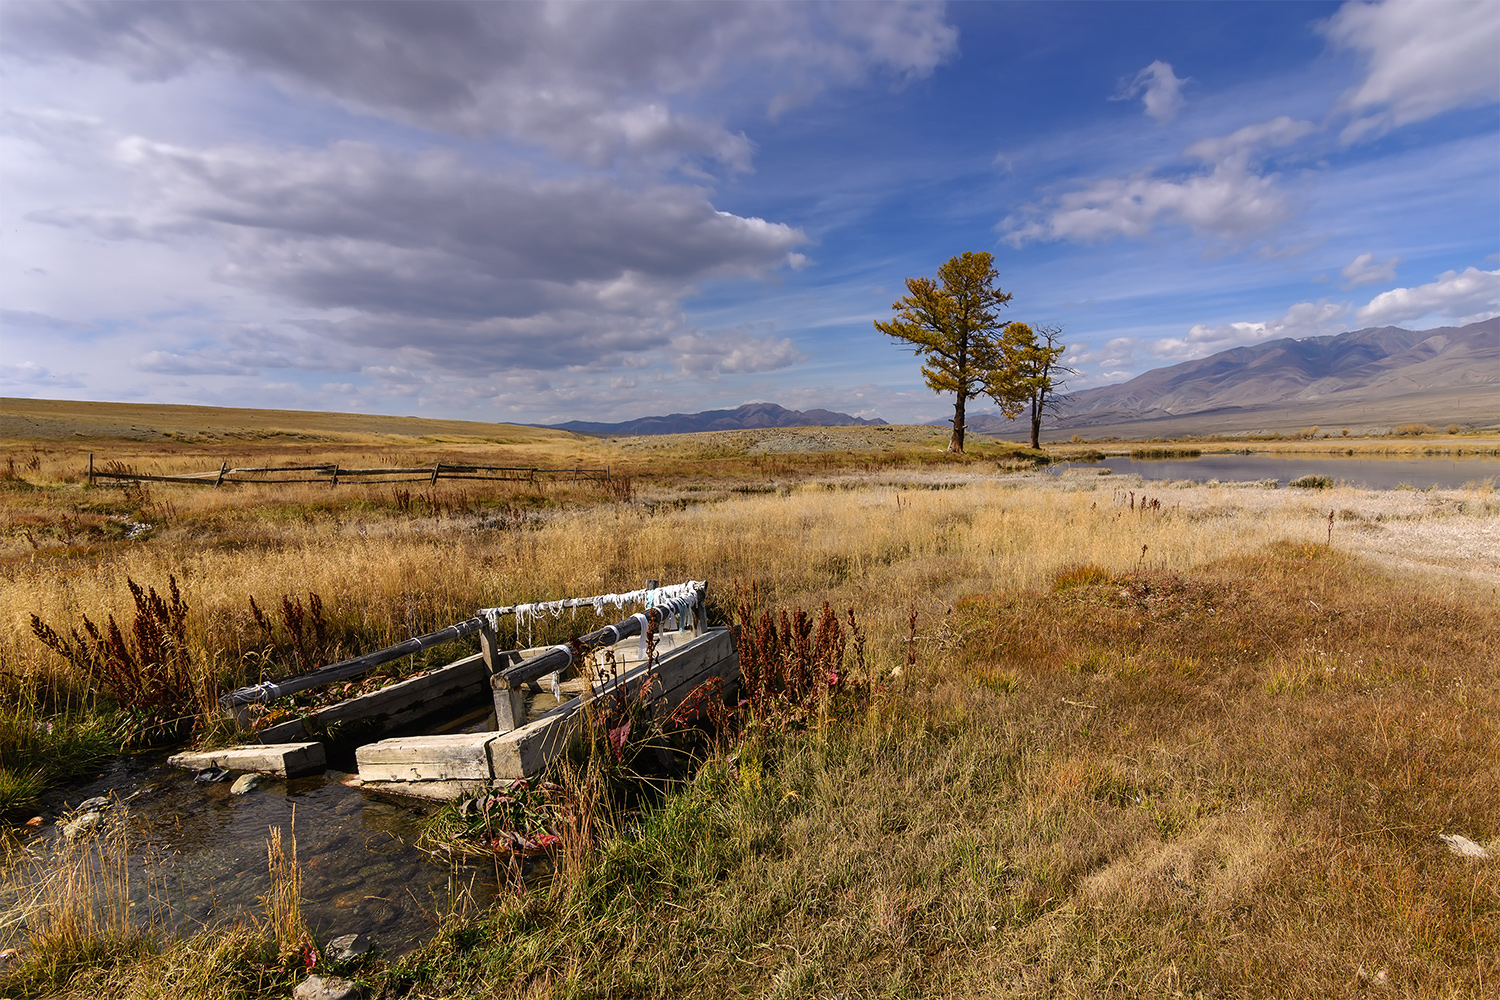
<point>1371,473</point>
<point>197,855</point>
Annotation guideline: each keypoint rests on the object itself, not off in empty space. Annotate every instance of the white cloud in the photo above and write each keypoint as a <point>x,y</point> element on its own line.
<point>1229,201</point>
<point>732,353</point>
<point>28,377</point>
<point>1240,145</point>
<point>1422,59</point>
<point>1363,270</point>
<point>1465,297</point>
<point>592,82</point>
<point>1305,319</point>
<point>1158,87</point>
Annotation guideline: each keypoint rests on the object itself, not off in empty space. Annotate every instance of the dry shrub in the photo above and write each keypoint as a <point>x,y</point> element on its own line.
<point>148,674</point>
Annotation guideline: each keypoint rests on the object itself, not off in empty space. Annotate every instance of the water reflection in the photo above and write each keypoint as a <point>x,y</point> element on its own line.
<point>1371,473</point>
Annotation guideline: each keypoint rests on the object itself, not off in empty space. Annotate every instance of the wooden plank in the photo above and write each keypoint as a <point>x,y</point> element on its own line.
<point>527,751</point>
<point>457,756</point>
<point>405,703</point>
<point>287,760</point>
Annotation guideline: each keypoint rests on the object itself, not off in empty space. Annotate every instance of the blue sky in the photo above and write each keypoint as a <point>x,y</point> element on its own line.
<point>546,212</point>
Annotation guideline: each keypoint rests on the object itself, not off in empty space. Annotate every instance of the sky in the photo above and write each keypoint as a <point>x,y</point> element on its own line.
<point>544,212</point>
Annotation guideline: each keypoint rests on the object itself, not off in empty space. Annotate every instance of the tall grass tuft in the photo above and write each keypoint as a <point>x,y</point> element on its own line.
<point>283,901</point>
<point>74,902</point>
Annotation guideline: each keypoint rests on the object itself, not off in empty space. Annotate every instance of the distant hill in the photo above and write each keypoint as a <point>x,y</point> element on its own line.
<point>748,417</point>
<point>1365,379</point>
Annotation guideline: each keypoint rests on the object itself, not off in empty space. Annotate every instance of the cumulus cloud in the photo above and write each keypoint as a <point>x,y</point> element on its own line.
<point>1363,270</point>
<point>464,266</point>
<point>1231,200</point>
<point>27,377</point>
<point>1116,359</point>
<point>1159,89</point>
<point>1305,319</point>
<point>1421,59</point>
<point>1466,296</point>
<point>732,353</point>
<point>593,82</point>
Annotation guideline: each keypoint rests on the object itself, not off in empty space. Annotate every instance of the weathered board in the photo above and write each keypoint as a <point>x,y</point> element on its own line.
<point>467,762</point>
<point>287,760</point>
<point>405,705</point>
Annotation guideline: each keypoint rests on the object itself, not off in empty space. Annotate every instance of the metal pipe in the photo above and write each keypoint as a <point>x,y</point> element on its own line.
<point>271,690</point>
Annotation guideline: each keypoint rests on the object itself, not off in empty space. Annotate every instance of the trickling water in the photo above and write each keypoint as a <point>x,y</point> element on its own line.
<point>197,854</point>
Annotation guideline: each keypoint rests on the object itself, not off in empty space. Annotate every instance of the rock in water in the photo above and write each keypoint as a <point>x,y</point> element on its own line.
<point>325,988</point>
<point>245,784</point>
<point>1463,846</point>
<point>348,947</point>
<point>86,823</point>
<point>98,803</point>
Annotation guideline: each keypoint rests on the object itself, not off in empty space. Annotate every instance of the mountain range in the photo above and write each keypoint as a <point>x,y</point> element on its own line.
<point>1367,380</point>
<point>747,417</point>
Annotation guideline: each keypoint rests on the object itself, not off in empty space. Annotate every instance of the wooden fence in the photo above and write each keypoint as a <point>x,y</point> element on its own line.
<point>333,474</point>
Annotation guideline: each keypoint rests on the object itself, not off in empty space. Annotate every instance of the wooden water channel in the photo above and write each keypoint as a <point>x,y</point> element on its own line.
<point>470,725</point>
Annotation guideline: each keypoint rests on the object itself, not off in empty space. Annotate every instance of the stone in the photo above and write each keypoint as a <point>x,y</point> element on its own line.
<point>1463,846</point>
<point>245,784</point>
<point>86,823</point>
<point>98,803</point>
<point>348,947</point>
<point>325,988</point>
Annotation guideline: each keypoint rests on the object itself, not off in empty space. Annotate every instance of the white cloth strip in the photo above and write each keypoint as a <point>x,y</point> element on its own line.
<point>690,588</point>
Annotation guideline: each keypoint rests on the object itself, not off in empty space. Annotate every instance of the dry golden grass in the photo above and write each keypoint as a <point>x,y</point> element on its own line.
<point>1184,748</point>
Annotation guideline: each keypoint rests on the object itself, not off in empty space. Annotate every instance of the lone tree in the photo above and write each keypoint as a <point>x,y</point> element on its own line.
<point>952,322</point>
<point>1029,375</point>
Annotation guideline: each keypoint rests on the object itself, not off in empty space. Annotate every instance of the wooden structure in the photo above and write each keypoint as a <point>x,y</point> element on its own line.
<point>449,766</point>
<point>333,475</point>
<point>404,733</point>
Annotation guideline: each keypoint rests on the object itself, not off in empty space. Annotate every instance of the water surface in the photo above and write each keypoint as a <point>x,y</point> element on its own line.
<point>1371,473</point>
<point>198,854</point>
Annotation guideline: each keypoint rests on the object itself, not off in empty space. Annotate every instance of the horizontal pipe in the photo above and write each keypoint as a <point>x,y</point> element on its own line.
<point>559,658</point>
<point>343,670</point>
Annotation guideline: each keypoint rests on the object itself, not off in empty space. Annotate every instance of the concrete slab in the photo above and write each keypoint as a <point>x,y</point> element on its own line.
<point>286,760</point>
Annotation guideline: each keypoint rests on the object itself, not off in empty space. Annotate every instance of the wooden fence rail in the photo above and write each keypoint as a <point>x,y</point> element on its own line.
<point>332,474</point>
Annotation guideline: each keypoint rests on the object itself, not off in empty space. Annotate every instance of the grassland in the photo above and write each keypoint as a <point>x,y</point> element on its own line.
<point>1196,746</point>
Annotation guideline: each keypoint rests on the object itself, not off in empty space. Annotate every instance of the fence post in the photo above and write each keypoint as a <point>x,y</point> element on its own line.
<point>91,468</point>
<point>335,480</point>
<point>223,468</point>
<point>435,467</point>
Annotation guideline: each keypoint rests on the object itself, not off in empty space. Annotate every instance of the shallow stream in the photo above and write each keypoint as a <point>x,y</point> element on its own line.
<point>1371,473</point>
<point>197,855</point>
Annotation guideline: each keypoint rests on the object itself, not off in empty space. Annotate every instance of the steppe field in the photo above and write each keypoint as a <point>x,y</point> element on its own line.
<point>1104,737</point>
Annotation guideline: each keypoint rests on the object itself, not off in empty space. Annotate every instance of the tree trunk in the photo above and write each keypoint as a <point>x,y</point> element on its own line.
<point>956,442</point>
<point>1036,420</point>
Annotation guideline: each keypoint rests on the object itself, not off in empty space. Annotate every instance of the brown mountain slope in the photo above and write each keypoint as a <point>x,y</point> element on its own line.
<point>1366,379</point>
